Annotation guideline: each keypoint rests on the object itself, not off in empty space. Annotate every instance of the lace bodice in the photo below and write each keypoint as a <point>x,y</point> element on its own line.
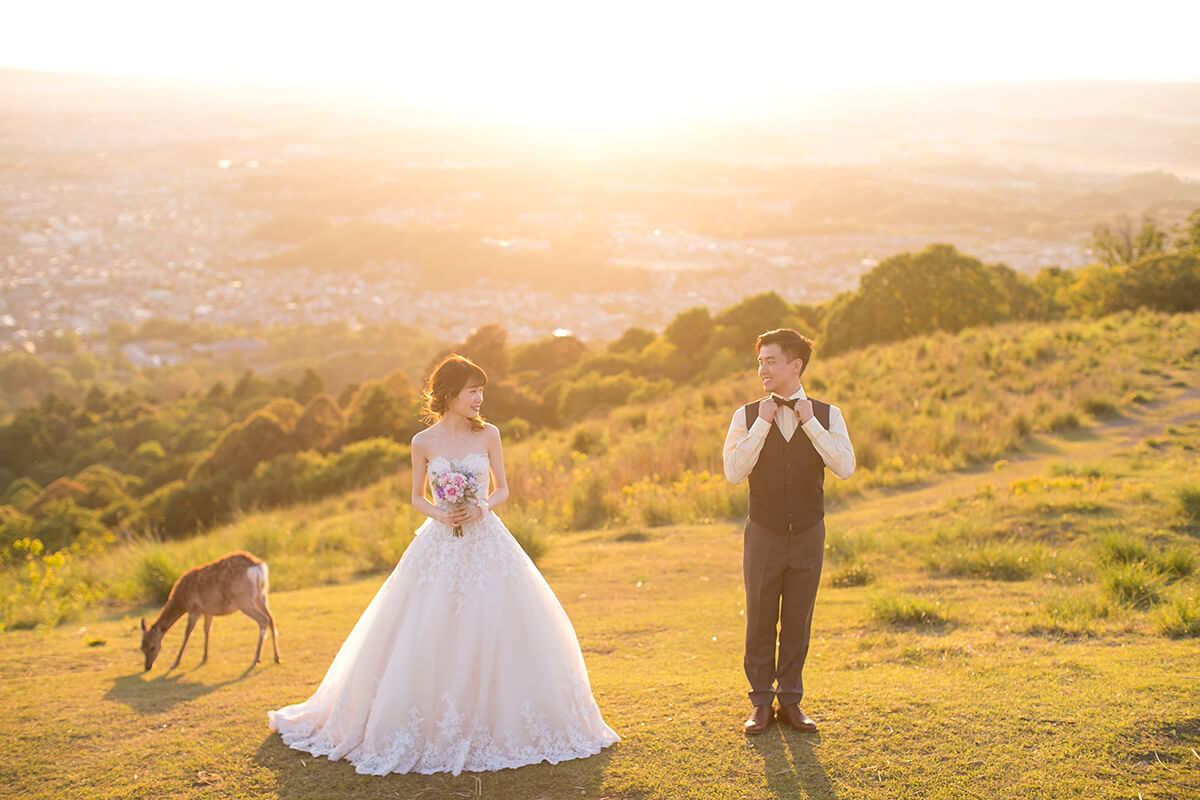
<point>463,563</point>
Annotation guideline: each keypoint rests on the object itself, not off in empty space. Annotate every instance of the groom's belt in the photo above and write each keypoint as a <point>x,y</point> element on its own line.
<point>799,523</point>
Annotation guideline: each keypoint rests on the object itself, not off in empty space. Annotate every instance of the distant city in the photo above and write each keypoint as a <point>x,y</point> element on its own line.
<point>127,214</point>
<point>88,253</point>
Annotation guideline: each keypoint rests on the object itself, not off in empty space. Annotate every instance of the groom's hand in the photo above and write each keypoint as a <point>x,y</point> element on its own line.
<point>804,410</point>
<point>767,409</point>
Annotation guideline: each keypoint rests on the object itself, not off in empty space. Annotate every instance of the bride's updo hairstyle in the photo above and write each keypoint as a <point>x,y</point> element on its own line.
<point>450,377</point>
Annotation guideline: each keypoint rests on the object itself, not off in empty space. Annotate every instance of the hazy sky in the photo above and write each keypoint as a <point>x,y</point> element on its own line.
<point>614,61</point>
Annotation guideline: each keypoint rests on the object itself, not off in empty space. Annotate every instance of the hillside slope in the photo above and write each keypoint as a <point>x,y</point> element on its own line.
<point>1023,631</point>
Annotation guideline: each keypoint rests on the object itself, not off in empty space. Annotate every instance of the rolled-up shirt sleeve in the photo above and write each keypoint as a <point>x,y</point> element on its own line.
<point>833,445</point>
<point>743,446</point>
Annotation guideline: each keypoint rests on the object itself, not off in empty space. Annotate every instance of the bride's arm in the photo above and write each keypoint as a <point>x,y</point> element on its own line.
<point>420,464</point>
<point>496,457</point>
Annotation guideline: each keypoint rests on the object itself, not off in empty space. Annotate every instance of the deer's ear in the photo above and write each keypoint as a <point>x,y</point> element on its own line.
<point>143,624</point>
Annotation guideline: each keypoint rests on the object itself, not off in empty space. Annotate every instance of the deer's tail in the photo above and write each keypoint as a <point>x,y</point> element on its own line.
<point>258,576</point>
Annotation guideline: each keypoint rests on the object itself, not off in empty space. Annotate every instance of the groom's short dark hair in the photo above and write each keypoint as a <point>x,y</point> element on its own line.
<point>793,344</point>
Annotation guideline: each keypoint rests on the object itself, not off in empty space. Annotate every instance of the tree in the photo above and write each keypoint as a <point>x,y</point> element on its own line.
<point>378,414</point>
<point>250,385</point>
<point>690,330</point>
<point>242,447</point>
<point>754,315</point>
<point>1189,233</point>
<point>1167,282</point>
<point>285,410</point>
<point>548,356</point>
<point>632,341</point>
<point>309,387</point>
<point>487,346</point>
<point>62,342</point>
<point>506,400</point>
<point>321,425</point>
<point>936,289</point>
<point>25,441</point>
<point>1120,244</point>
<point>96,400</point>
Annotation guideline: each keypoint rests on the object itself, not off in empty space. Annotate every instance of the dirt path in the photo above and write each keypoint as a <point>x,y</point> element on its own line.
<point>1093,443</point>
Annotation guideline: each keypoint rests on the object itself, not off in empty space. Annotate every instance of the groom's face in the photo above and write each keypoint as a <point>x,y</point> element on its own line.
<point>779,373</point>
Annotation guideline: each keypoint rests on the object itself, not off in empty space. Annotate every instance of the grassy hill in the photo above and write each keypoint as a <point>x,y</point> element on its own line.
<point>917,411</point>
<point>1024,630</point>
<point>1009,608</point>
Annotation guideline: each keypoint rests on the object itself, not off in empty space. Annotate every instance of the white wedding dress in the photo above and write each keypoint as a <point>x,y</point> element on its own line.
<point>464,660</point>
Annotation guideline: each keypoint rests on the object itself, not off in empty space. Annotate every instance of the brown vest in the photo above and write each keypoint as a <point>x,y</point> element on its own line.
<point>787,493</point>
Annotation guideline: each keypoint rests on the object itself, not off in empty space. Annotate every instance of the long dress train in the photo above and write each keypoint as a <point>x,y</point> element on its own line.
<point>464,660</point>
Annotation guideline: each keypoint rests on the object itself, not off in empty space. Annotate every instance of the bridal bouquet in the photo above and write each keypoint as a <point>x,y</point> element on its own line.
<point>454,490</point>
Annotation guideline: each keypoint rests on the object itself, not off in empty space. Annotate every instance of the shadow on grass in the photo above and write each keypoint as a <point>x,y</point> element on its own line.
<point>299,775</point>
<point>791,766</point>
<point>165,691</point>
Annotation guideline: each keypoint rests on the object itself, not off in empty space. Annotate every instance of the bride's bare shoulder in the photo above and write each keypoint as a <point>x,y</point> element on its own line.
<point>424,438</point>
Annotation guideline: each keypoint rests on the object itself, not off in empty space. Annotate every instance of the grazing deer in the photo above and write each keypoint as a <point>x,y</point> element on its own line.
<point>236,582</point>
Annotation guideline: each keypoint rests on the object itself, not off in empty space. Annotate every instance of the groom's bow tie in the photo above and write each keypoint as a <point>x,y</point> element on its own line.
<point>779,401</point>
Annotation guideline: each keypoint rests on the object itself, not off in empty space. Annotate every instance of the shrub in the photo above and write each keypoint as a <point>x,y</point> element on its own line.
<point>856,574</point>
<point>1065,421</point>
<point>591,440</point>
<point>1189,504</point>
<point>1180,620</point>
<point>655,504</point>
<point>356,464</point>
<point>906,611</point>
<point>1073,615</point>
<point>529,533</point>
<point>154,576</point>
<point>1099,407</point>
<point>1116,548</point>
<point>195,504</point>
<point>587,505</point>
<point>39,593</point>
<point>1133,585</point>
<point>1176,563</point>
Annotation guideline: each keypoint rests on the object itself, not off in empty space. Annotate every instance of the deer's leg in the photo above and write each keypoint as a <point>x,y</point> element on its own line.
<point>251,610</point>
<point>261,602</point>
<point>191,623</point>
<point>208,618</point>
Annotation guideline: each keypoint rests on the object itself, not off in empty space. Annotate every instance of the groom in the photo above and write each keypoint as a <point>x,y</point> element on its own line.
<point>783,443</point>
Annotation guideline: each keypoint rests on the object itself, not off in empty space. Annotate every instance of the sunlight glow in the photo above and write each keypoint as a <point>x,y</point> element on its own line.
<point>619,64</point>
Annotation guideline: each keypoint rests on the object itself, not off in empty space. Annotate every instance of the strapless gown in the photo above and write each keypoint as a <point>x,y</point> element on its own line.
<point>464,660</point>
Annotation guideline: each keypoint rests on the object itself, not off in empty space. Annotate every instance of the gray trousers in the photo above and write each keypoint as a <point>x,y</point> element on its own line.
<point>781,573</point>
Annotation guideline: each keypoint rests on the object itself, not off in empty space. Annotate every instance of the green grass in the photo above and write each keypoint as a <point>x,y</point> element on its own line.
<point>659,618</point>
<point>663,647</point>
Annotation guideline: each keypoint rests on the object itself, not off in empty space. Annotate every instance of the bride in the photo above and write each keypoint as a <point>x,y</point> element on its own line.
<point>464,659</point>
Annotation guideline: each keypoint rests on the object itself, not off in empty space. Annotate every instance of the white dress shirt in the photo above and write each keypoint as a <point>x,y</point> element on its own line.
<point>742,446</point>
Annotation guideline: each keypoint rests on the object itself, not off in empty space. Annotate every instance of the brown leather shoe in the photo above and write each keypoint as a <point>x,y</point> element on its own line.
<point>759,720</point>
<point>795,718</point>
